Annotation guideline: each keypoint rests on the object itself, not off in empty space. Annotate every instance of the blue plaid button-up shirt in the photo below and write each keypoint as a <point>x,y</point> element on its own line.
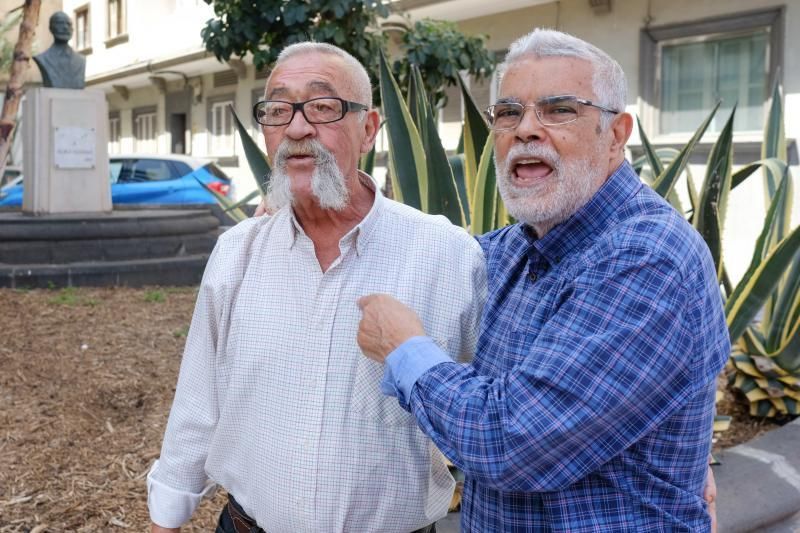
<point>589,405</point>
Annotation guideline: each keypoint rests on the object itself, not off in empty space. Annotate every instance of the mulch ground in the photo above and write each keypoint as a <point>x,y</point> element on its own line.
<point>86,381</point>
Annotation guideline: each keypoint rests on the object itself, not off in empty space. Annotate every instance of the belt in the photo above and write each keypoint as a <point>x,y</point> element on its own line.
<point>241,522</point>
<point>244,524</point>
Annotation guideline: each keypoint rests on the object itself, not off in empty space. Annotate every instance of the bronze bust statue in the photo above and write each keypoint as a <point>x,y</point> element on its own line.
<point>61,66</point>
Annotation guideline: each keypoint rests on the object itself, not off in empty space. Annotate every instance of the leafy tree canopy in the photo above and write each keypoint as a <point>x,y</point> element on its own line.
<point>264,27</point>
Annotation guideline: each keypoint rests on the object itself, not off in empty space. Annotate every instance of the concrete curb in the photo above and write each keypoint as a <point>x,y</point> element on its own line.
<point>758,482</point>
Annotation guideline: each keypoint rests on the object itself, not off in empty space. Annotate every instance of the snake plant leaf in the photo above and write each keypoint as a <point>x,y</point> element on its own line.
<point>418,103</point>
<point>774,145</point>
<point>665,181</point>
<point>442,193</point>
<point>743,173</point>
<point>776,170</point>
<point>475,133</point>
<point>252,195</point>
<point>779,224</point>
<point>649,152</point>
<point>786,311</point>
<point>501,216</point>
<point>256,159</point>
<point>743,306</point>
<point>787,356</point>
<point>485,195</point>
<point>762,247</point>
<point>457,164</point>
<point>710,216</point>
<point>367,162</point>
<point>406,161</point>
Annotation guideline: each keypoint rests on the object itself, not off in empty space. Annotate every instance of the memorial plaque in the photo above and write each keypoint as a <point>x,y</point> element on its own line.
<point>74,147</point>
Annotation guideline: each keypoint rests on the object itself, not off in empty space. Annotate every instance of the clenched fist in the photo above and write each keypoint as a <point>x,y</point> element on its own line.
<point>385,324</point>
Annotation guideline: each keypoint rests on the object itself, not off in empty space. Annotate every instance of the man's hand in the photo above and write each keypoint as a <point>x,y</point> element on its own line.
<point>385,324</point>
<point>158,529</point>
<point>710,496</point>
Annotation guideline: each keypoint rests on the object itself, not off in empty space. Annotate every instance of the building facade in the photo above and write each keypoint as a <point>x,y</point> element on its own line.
<point>167,94</point>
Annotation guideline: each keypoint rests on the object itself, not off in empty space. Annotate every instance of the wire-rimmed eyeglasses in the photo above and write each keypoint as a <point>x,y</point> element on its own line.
<point>551,111</point>
<point>316,111</point>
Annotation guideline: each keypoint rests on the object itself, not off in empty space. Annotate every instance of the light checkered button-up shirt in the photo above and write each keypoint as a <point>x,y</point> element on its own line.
<point>276,403</point>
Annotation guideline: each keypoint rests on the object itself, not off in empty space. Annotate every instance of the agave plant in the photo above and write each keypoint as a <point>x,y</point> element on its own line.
<point>765,362</point>
<point>461,187</point>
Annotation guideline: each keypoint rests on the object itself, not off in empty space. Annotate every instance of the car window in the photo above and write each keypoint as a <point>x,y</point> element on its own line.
<point>114,171</point>
<point>180,169</point>
<point>215,171</point>
<point>150,170</point>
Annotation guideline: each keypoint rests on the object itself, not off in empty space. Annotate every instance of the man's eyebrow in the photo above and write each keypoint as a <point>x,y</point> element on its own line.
<point>277,91</point>
<point>317,86</point>
<point>323,87</point>
<point>508,100</point>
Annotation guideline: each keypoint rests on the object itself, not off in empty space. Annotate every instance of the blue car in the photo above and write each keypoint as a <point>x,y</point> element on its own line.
<point>153,179</point>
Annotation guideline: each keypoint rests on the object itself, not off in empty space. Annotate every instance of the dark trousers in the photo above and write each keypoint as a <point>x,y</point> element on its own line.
<point>225,523</point>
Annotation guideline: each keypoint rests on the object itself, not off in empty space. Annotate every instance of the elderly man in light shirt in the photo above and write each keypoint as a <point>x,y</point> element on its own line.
<point>274,401</point>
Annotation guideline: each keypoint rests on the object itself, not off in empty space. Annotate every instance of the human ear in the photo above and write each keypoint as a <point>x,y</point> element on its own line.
<point>621,128</point>
<point>371,125</point>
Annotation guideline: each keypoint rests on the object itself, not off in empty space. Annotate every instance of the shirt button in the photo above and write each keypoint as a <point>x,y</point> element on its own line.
<point>533,276</point>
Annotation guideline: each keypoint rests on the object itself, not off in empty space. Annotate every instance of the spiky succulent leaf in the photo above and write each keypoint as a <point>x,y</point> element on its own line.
<point>407,165</point>
<point>256,159</point>
<point>665,181</point>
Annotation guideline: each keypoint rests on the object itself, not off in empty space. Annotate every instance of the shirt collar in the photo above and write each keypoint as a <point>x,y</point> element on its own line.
<point>592,218</point>
<point>361,232</point>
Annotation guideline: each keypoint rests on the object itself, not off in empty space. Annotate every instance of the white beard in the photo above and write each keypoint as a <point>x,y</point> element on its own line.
<point>570,186</point>
<point>328,184</point>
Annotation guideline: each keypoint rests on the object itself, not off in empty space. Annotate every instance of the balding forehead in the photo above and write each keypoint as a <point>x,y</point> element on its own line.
<point>315,87</point>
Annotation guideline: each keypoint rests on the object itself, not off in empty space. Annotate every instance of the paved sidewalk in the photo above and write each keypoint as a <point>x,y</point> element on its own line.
<point>758,486</point>
<point>759,483</point>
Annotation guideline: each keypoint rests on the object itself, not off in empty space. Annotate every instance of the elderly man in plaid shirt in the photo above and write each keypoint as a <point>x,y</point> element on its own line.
<point>590,401</point>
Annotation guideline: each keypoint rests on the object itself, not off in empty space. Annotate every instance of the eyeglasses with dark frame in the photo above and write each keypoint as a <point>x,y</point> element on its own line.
<point>321,110</point>
<point>550,111</point>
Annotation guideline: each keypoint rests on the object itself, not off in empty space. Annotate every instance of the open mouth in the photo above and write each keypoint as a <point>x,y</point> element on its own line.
<point>530,170</point>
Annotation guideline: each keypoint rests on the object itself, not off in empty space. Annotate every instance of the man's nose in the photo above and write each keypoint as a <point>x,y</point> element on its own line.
<point>299,127</point>
<point>529,127</point>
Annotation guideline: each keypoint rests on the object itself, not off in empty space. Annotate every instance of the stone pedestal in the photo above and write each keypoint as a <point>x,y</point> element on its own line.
<point>65,152</point>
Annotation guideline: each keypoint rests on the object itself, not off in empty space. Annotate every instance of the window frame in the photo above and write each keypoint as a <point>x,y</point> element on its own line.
<point>83,11</point>
<point>741,23</point>
<point>225,157</point>
<point>121,25</point>
<point>114,141</point>
<point>137,134</point>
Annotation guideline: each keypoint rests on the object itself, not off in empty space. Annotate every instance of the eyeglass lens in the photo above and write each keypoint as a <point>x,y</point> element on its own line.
<point>316,111</point>
<point>551,111</point>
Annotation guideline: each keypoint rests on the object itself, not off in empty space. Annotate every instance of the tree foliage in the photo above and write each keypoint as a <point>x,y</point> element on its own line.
<point>264,27</point>
<point>440,51</point>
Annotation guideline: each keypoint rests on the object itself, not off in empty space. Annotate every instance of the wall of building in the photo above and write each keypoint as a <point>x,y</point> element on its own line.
<point>618,33</point>
<point>155,29</point>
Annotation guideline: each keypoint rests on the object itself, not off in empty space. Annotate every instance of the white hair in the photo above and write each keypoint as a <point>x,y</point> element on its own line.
<point>608,81</point>
<point>358,81</point>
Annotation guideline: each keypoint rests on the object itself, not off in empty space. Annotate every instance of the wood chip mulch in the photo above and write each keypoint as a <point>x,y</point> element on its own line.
<point>87,378</point>
<point>86,382</point>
